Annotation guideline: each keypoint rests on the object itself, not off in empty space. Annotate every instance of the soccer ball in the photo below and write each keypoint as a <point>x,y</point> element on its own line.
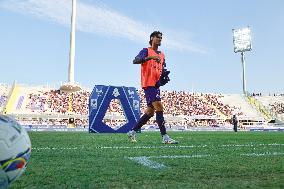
<point>15,150</point>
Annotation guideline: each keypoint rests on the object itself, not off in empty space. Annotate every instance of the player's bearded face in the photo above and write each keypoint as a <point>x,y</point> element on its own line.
<point>157,40</point>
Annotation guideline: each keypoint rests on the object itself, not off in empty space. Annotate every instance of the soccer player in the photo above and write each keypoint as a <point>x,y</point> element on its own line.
<point>153,75</point>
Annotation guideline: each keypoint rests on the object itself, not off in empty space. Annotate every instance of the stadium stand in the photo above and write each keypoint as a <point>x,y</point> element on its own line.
<point>4,90</point>
<point>240,106</point>
<point>37,105</point>
<point>273,104</point>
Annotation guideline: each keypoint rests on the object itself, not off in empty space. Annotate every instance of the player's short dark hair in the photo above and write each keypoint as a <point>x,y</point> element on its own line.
<point>154,34</point>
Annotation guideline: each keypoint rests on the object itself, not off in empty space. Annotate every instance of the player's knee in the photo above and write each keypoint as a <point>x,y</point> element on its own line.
<point>158,106</point>
<point>150,112</point>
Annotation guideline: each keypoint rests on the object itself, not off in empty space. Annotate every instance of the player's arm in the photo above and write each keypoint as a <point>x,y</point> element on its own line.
<point>143,56</point>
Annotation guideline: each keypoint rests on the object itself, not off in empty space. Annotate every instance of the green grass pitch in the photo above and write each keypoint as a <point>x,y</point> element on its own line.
<point>200,160</point>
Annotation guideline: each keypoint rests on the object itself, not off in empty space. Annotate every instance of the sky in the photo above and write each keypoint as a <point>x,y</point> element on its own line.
<point>197,42</point>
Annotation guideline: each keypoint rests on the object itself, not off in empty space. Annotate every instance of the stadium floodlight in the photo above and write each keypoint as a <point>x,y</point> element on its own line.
<point>72,43</point>
<point>71,85</point>
<point>242,39</point>
<point>242,43</point>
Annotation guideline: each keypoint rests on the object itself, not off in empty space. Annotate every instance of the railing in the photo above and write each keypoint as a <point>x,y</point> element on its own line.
<point>11,98</point>
<point>20,102</point>
<point>2,101</point>
<point>260,107</point>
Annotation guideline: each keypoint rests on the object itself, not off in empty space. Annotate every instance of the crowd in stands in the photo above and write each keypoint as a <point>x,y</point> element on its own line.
<point>176,103</point>
<point>54,101</point>
<point>114,108</point>
<point>51,122</point>
<point>274,94</point>
<point>80,101</point>
<point>3,99</point>
<point>189,106</point>
<point>184,103</point>
<point>277,107</point>
<point>275,103</point>
<point>223,108</point>
<point>3,95</point>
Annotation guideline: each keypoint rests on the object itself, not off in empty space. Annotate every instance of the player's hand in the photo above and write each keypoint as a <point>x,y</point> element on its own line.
<point>156,58</point>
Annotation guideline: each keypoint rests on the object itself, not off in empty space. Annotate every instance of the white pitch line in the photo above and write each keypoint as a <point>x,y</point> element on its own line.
<point>56,148</point>
<point>245,145</point>
<point>116,147</point>
<point>149,147</point>
<point>181,156</point>
<point>264,154</point>
<point>153,147</point>
<point>145,160</point>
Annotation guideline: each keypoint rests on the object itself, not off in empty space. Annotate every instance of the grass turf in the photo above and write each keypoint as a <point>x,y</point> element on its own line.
<point>83,160</point>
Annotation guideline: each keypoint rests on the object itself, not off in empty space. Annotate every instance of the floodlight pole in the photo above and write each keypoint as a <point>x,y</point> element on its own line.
<point>244,72</point>
<point>71,86</point>
<point>72,44</point>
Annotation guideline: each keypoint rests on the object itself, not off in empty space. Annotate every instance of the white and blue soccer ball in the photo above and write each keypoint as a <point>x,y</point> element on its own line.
<point>15,150</point>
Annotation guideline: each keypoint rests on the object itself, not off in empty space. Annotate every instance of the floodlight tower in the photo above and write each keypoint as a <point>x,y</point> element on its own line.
<point>71,86</point>
<point>242,43</point>
<point>72,43</point>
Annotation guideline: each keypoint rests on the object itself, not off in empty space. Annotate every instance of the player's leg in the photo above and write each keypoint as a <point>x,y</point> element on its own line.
<point>147,115</point>
<point>158,106</point>
<point>142,121</point>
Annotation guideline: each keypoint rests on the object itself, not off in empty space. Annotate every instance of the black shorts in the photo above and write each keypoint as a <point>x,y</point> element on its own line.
<point>152,94</point>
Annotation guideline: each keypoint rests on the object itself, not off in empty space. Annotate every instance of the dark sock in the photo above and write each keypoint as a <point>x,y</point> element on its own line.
<point>161,122</point>
<point>142,121</point>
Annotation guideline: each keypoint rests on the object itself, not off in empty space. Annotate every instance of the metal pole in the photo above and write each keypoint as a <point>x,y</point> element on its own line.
<point>72,43</point>
<point>244,73</point>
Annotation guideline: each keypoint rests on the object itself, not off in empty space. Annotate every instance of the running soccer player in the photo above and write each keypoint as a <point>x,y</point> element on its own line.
<point>153,75</point>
